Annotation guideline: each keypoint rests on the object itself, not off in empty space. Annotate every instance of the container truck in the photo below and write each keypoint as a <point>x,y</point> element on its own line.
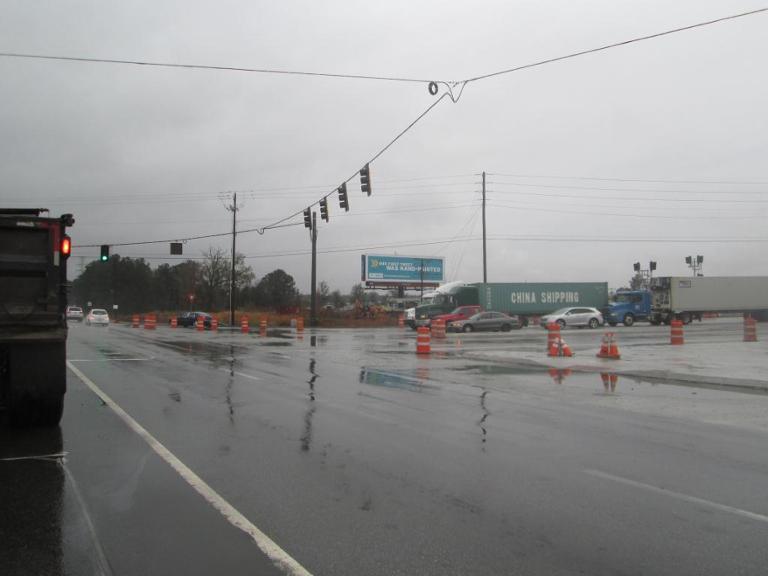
<point>33,327</point>
<point>686,298</point>
<point>522,299</point>
<point>628,307</point>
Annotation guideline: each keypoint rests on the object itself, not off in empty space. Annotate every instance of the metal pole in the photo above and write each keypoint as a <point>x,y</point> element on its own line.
<point>422,280</point>
<point>313,289</point>
<point>232,274</point>
<point>485,262</point>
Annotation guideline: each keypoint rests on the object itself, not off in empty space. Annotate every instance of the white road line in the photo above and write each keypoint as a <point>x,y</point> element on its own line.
<point>241,374</point>
<point>111,359</point>
<point>679,496</point>
<point>279,557</point>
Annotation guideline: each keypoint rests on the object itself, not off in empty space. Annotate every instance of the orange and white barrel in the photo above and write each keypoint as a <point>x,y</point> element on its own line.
<point>750,329</point>
<point>300,324</point>
<point>135,321</point>
<point>214,324</point>
<point>244,328</point>
<point>438,328</point>
<point>199,324</point>
<point>423,340</point>
<point>553,334</point>
<point>676,337</point>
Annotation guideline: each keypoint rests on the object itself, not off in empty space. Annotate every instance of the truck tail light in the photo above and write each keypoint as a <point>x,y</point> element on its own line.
<point>66,246</point>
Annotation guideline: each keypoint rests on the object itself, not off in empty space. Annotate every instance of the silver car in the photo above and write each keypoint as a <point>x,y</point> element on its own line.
<point>97,317</point>
<point>575,316</point>
<point>486,322</point>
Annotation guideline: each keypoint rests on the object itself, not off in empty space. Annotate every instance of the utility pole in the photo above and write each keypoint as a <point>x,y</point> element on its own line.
<point>485,262</point>
<point>313,289</point>
<point>233,209</point>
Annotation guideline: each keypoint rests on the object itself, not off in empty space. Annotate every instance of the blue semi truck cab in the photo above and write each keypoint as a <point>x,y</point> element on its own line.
<point>629,306</point>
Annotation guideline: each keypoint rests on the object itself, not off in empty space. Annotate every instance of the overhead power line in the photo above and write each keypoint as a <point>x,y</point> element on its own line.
<point>640,180</point>
<point>151,64</point>
<point>614,45</point>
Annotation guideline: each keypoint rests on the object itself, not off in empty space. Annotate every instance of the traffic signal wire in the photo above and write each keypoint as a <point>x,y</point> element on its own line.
<point>614,45</point>
<point>214,67</point>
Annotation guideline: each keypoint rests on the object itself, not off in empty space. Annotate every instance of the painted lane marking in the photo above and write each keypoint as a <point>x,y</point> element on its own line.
<point>279,557</point>
<point>679,496</point>
<point>111,359</point>
<point>52,457</point>
<point>241,374</point>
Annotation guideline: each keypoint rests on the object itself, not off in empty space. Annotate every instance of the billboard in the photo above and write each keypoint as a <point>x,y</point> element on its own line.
<point>407,270</point>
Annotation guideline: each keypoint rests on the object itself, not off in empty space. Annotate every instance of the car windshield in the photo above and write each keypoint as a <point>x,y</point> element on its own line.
<point>99,312</point>
<point>561,311</point>
<point>621,297</point>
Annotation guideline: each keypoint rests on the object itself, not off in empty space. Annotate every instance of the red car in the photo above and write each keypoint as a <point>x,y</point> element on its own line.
<point>460,313</point>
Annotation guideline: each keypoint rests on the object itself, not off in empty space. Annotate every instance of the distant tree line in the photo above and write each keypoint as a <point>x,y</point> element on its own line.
<point>135,286</point>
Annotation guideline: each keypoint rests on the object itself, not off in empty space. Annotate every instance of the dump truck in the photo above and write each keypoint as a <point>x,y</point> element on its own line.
<point>33,328</point>
<point>686,298</point>
<point>522,299</point>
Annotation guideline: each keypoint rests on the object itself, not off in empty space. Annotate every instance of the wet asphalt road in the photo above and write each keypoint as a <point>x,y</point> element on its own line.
<point>357,457</point>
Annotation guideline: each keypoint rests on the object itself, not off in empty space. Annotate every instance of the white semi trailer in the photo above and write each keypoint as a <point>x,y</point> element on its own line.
<point>685,297</point>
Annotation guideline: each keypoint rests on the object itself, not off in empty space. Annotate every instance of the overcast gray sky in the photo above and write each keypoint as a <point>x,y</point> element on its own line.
<point>142,153</point>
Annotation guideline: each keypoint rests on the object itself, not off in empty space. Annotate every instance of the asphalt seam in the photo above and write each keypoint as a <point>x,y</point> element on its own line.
<point>279,557</point>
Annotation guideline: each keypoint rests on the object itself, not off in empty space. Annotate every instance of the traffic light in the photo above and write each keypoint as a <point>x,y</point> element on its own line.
<point>343,199</point>
<point>687,259</point>
<point>177,248</point>
<point>636,266</point>
<point>653,266</point>
<point>308,218</point>
<point>699,259</point>
<point>104,252</point>
<point>365,180</point>
<point>324,209</point>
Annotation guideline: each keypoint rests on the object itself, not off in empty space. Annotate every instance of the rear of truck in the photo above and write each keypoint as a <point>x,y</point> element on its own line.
<point>33,329</point>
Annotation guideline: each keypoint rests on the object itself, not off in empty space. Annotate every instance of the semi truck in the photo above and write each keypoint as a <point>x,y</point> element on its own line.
<point>522,299</point>
<point>685,297</point>
<point>628,307</point>
<point>33,328</point>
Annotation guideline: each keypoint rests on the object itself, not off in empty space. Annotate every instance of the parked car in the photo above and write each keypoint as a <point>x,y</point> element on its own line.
<point>189,319</point>
<point>460,313</point>
<point>486,322</point>
<point>97,317</point>
<point>574,316</point>
<point>75,313</point>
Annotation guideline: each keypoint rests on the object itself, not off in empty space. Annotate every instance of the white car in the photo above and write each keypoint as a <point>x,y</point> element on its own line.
<point>75,313</point>
<point>97,317</point>
<point>575,316</point>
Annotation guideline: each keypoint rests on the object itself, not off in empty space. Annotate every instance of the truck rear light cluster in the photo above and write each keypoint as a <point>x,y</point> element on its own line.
<point>66,246</point>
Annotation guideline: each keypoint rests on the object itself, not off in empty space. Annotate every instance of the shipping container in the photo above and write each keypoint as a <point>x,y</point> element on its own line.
<point>539,298</point>
<point>686,297</point>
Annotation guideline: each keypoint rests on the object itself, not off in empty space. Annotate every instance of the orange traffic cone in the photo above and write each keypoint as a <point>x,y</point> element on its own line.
<point>609,348</point>
<point>559,348</point>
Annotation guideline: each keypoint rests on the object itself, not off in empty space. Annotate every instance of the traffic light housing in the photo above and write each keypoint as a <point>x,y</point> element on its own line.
<point>343,198</point>
<point>104,252</point>
<point>324,209</point>
<point>308,218</point>
<point>365,180</point>
<point>653,265</point>
<point>636,266</point>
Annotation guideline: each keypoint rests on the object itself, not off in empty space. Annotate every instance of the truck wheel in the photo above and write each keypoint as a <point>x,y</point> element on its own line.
<point>49,411</point>
<point>44,412</point>
<point>467,328</point>
<point>629,320</point>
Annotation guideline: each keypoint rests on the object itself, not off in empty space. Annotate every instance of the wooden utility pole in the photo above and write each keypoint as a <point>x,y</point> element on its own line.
<point>485,262</point>
<point>313,290</point>
<point>232,303</point>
